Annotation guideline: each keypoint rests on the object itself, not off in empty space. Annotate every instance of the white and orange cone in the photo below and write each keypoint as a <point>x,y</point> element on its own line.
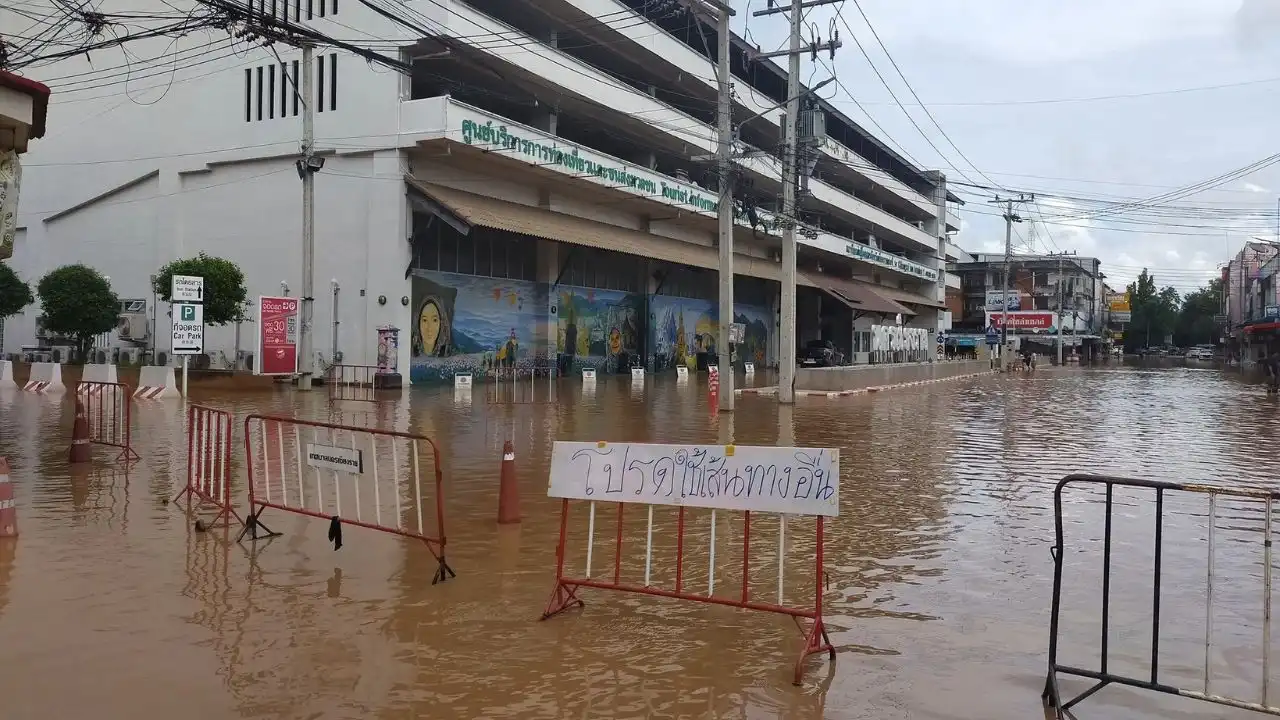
<point>8,506</point>
<point>508,490</point>
<point>81,452</point>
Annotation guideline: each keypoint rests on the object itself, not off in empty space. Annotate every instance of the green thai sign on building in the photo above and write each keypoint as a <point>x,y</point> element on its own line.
<point>491,133</point>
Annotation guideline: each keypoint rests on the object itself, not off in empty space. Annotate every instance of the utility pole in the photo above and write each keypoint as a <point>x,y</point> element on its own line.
<point>1009,219</point>
<point>307,171</point>
<point>1060,256</point>
<point>724,207</point>
<point>790,181</point>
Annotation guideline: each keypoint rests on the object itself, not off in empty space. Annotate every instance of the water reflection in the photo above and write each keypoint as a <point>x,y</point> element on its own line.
<point>939,570</point>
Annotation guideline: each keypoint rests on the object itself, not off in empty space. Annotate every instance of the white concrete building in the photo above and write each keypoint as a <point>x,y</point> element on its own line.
<point>527,194</point>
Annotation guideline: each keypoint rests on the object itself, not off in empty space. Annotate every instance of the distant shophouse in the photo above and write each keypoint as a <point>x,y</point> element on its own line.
<point>1250,303</point>
<point>1046,294</point>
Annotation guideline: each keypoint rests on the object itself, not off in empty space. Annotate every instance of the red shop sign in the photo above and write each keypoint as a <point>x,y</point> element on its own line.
<point>277,336</point>
<point>1024,320</point>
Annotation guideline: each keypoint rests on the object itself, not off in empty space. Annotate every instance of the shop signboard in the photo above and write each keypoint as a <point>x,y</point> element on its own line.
<point>996,299</point>
<point>277,336</point>
<point>1021,320</point>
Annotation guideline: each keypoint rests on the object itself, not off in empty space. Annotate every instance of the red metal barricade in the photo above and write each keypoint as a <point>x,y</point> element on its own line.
<point>318,469</point>
<point>352,382</point>
<point>108,408</point>
<point>209,462</point>
<point>695,540</point>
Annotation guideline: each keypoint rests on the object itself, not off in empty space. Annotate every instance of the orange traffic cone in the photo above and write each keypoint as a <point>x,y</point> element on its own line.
<point>508,491</point>
<point>80,450</point>
<point>8,506</point>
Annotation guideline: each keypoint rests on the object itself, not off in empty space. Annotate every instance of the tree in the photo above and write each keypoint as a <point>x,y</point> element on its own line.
<point>14,293</point>
<point>224,291</point>
<point>1196,324</point>
<point>1153,314</point>
<point>78,302</point>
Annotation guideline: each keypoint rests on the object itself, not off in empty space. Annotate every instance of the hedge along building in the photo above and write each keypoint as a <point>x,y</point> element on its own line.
<point>526,194</point>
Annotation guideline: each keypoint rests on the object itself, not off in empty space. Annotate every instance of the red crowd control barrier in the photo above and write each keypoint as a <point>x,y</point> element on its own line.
<point>209,461</point>
<point>703,483</point>
<point>366,477</point>
<point>108,410</point>
<point>352,382</point>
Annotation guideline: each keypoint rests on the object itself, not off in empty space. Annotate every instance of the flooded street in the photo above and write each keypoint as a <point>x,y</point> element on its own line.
<point>940,574</point>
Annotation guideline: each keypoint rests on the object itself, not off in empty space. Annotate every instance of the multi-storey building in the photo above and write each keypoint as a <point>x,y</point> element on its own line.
<point>535,189</point>
<point>23,107</point>
<point>1047,294</point>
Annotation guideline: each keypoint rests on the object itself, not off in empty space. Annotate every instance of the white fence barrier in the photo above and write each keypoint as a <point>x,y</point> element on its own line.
<point>157,382</point>
<point>6,375</point>
<point>94,373</point>
<point>46,378</point>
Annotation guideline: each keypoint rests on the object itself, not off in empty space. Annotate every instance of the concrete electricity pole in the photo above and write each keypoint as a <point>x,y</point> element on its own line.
<point>724,207</point>
<point>1060,256</point>
<point>307,170</point>
<point>790,181</point>
<point>1009,219</point>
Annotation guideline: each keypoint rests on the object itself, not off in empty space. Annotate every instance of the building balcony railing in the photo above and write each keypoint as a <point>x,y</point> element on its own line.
<point>442,118</point>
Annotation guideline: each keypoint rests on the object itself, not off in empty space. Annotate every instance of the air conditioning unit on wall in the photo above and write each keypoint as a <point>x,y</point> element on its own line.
<point>133,327</point>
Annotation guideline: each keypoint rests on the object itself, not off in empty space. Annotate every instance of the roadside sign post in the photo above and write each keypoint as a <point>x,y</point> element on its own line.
<point>277,349</point>
<point>186,308</point>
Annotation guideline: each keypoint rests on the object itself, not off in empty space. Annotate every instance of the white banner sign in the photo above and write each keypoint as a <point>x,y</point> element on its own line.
<point>794,481</point>
<point>339,459</point>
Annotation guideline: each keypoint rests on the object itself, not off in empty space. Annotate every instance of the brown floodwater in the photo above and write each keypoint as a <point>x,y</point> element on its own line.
<point>111,606</point>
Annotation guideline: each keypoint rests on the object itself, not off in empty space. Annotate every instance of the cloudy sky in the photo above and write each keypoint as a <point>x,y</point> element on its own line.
<point>1010,82</point>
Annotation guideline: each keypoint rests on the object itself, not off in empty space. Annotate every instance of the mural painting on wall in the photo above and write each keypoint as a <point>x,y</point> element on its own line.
<point>685,332</point>
<point>597,329</point>
<point>755,344</point>
<point>463,323</point>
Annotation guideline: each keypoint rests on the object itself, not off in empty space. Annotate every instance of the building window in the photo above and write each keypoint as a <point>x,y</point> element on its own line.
<point>485,252</point>
<point>284,89</point>
<point>262,99</point>
<point>333,81</point>
<point>320,83</point>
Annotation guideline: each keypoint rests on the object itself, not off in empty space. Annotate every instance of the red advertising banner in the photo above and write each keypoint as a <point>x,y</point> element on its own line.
<point>1021,320</point>
<point>277,336</point>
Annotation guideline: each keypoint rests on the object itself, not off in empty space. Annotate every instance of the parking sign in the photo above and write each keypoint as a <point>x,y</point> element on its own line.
<point>188,329</point>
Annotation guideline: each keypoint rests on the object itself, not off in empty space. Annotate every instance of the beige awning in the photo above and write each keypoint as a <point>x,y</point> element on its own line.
<point>550,225</point>
<point>905,296</point>
<point>858,295</point>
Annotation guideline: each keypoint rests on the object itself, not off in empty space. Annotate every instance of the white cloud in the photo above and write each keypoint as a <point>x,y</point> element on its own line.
<point>1254,188</point>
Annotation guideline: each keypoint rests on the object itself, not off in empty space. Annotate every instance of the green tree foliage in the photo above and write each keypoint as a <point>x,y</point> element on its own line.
<point>78,302</point>
<point>224,291</point>
<point>1154,313</point>
<point>1196,325</point>
<point>14,293</point>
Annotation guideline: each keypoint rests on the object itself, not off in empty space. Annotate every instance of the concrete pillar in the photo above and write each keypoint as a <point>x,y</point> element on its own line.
<point>937,226</point>
<point>389,226</point>
<point>548,268</point>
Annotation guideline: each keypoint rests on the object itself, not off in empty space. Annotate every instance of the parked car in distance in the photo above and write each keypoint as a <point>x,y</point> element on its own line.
<point>821,353</point>
<point>1198,353</point>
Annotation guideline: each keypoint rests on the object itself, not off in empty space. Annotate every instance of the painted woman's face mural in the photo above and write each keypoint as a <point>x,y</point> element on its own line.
<point>429,326</point>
